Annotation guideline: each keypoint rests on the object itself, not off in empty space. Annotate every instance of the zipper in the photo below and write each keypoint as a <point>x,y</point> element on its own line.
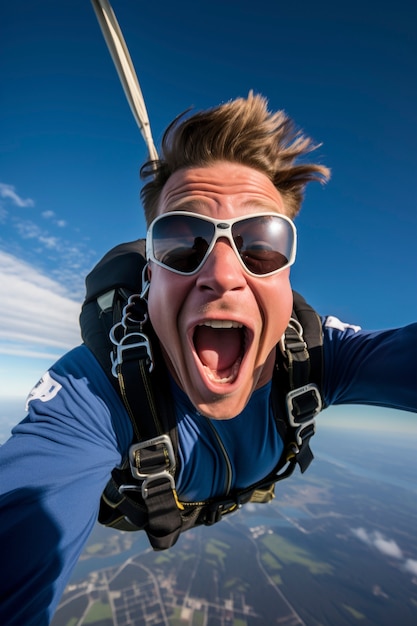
<point>228,480</point>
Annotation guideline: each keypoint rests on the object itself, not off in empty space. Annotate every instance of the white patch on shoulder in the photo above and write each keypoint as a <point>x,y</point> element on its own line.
<point>334,322</point>
<point>46,389</point>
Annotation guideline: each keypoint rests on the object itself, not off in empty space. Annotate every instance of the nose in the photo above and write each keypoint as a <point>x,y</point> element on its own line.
<point>222,270</point>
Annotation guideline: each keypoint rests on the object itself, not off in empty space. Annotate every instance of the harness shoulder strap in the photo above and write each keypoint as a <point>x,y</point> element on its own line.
<point>313,336</point>
<point>108,286</point>
<point>113,324</point>
<point>298,382</point>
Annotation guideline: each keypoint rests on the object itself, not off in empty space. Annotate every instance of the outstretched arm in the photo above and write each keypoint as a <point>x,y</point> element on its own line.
<point>53,470</point>
<point>370,367</point>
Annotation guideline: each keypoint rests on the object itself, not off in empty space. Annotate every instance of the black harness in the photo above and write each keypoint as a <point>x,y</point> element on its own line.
<point>141,494</point>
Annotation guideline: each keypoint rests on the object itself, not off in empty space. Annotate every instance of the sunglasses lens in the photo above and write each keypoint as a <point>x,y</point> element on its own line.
<point>265,243</point>
<point>180,242</point>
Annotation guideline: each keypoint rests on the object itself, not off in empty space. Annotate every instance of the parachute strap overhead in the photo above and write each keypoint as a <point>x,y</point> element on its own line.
<point>125,69</point>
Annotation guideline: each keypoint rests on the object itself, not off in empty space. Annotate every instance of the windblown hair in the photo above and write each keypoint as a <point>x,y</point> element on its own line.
<point>241,131</point>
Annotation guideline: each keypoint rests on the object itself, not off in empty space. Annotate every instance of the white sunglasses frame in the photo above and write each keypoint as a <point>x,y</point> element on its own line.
<point>223,228</point>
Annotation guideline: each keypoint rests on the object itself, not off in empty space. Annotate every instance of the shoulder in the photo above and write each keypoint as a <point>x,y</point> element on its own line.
<point>76,395</point>
<point>332,323</point>
<point>341,333</point>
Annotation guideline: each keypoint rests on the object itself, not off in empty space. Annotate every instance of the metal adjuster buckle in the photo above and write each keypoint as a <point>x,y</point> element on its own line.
<point>129,342</point>
<point>133,339</point>
<point>300,422</point>
<point>297,343</point>
<point>155,474</point>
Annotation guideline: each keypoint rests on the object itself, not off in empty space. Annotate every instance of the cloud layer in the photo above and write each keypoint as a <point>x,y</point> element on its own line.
<point>37,318</point>
<point>43,264</point>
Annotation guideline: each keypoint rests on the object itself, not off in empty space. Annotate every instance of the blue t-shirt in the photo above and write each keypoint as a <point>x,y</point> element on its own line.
<point>217,456</point>
<point>59,458</point>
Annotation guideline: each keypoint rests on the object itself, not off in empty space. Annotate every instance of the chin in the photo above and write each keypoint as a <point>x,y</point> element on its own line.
<point>220,412</point>
<point>219,404</point>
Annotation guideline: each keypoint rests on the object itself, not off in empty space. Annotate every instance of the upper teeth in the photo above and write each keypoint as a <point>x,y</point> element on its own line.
<point>221,324</point>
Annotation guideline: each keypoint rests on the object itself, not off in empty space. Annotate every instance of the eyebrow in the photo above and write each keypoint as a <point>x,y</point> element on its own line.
<point>193,205</point>
<point>187,204</point>
<point>263,205</point>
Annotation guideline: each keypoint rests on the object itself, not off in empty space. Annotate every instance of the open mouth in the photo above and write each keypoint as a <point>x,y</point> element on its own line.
<point>220,345</point>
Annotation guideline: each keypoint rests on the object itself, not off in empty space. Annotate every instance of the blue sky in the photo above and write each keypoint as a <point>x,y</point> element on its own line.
<point>70,150</point>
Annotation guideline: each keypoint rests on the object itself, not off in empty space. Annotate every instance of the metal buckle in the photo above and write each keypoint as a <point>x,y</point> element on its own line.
<point>300,423</point>
<point>296,346</point>
<point>130,339</point>
<point>145,485</point>
<point>129,309</point>
<point>157,474</point>
<point>123,345</point>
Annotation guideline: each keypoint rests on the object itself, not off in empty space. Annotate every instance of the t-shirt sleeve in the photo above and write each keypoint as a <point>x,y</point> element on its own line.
<point>370,367</point>
<point>53,471</point>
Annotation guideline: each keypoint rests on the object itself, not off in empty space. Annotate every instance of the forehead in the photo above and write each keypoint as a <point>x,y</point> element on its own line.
<point>222,188</point>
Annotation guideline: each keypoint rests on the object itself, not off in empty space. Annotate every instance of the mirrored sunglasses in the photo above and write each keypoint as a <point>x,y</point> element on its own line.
<point>264,243</point>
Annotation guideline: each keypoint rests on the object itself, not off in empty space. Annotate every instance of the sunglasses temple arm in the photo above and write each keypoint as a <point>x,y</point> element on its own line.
<point>124,66</point>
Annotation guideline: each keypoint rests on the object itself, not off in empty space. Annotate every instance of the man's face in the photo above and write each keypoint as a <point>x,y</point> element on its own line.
<point>219,368</point>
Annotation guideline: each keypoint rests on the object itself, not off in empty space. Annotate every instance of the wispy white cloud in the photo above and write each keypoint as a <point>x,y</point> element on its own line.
<point>378,541</point>
<point>29,230</point>
<point>411,566</point>
<point>45,240</point>
<point>387,547</point>
<point>16,350</point>
<point>67,262</point>
<point>37,316</point>
<point>49,242</point>
<point>9,192</point>
<point>50,215</point>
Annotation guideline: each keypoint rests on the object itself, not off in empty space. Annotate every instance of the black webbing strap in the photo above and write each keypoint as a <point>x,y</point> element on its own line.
<point>152,463</point>
<point>303,404</point>
<point>151,457</point>
<point>164,521</point>
<point>303,400</point>
<point>298,360</point>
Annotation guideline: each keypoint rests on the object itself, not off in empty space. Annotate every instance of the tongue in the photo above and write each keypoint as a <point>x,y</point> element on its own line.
<point>218,349</point>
